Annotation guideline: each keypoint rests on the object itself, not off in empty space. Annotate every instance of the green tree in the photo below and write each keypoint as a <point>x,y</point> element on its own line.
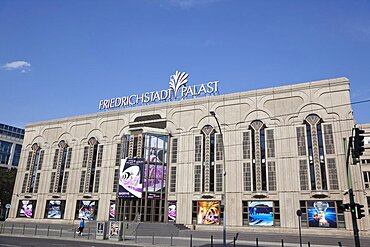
<point>7,180</point>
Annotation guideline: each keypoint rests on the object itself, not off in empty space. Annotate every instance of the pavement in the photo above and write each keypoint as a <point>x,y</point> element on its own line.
<point>22,234</point>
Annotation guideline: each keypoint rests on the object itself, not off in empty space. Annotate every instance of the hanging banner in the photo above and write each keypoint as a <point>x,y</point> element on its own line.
<point>321,214</point>
<point>112,210</point>
<point>261,213</point>
<point>131,178</point>
<point>208,213</point>
<point>171,211</point>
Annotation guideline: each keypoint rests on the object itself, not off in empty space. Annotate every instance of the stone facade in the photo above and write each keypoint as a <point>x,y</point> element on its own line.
<point>284,147</point>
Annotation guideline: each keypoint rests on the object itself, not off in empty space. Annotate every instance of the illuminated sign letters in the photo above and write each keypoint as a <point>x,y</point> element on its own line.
<point>177,90</point>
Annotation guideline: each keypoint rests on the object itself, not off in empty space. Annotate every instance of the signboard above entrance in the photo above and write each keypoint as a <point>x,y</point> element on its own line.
<point>177,90</point>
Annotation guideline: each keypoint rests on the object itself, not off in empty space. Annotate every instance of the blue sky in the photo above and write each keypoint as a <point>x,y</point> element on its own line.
<point>59,58</point>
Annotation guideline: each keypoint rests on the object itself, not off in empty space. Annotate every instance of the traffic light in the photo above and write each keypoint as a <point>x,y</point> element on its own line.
<point>360,211</point>
<point>358,145</point>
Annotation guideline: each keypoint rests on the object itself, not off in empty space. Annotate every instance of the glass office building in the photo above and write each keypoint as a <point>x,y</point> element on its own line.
<point>11,139</point>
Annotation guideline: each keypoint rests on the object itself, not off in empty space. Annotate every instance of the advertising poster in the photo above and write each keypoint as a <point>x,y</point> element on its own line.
<point>114,229</point>
<point>261,213</point>
<point>54,209</point>
<point>321,214</point>
<point>171,211</point>
<point>208,212</point>
<point>112,210</point>
<point>87,210</point>
<point>154,181</point>
<point>26,208</point>
<point>131,178</point>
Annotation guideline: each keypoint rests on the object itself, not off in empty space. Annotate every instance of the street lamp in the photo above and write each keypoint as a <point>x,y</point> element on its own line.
<point>224,182</point>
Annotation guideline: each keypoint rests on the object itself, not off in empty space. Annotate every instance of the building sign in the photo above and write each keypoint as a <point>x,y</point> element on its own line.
<point>177,90</point>
<point>261,213</point>
<point>131,178</point>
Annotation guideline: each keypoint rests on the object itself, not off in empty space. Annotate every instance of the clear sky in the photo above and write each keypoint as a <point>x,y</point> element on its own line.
<point>59,58</point>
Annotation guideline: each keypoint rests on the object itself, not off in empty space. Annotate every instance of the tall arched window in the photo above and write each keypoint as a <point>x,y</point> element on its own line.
<point>60,169</point>
<point>259,171</point>
<point>34,165</point>
<point>317,169</point>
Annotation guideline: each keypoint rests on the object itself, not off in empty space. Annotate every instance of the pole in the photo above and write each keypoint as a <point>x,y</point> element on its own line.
<point>224,175</point>
<point>352,197</point>
<point>300,233</point>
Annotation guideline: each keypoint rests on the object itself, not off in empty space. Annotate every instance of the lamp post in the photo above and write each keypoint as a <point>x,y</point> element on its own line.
<point>224,174</point>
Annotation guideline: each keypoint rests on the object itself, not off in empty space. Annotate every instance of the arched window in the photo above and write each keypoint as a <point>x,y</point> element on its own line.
<point>60,169</point>
<point>34,165</point>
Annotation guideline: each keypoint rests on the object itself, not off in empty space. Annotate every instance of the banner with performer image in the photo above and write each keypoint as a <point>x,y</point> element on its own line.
<point>26,208</point>
<point>208,212</point>
<point>261,213</point>
<point>87,210</point>
<point>131,178</point>
<point>112,210</point>
<point>321,214</point>
<point>171,211</point>
<point>55,209</point>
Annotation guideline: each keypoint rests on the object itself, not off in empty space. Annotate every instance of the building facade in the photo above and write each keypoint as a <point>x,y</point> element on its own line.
<point>11,139</point>
<point>284,150</point>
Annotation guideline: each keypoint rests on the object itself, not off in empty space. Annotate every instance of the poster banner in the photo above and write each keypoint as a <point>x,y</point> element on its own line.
<point>171,211</point>
<point>208,212</point>
<point>155,178</point>
<point>112,210</point>
<point>26,208</point>
<point>131,178</point>
<point>261,213</point>
<point>114,229</point>
<point>87,210</point>
<point>321,214</point>
<point>55,209</point>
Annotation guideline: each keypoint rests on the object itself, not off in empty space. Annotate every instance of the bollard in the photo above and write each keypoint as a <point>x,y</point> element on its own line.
<point>340,244</point>
<point>88,234</point>
<point>211,240</point>
<point>256,242</point>
<point>35,230</point>
<point>74,232</point>
<point>12,229</point>
<point>309,244</point>
<point>153,239</point>
<point>191,240</point>
<point>60,234</point>
<point>282,243</point>
<point>171,239</point>
<point>234,241</point>
<point>135,236</point>
<point>47,233</point>
<point>24,227</point>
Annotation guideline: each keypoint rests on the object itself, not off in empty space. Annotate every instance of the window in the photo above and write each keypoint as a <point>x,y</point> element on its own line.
<point>197,178</point>
<point>52,180</point>
<point>17,154</point>
<point>82,181</point>
<point>173,179</point>
<point>219,174</point>
<point>5,150</point>
<point>261,213</point>
<point>55,161</point>
<point>246,145</point>
<point>271,175</point>
<point>313,211</point>
<point>301,141</point>
<point>270,145</point>
<point>247,176</point>
<point>303,176</point>
<point>100,156</point>
<point>97,181</point>
<point>332,171</point>
<point>367,180</point>
<point>218,147</point>
<point>174,151</point>
<point>65,181</point>
<point>61,163</point>
<point>86,153</point>
<point>116,180</point>
<point>29,159</point>
<point>198,148</point>
<point>36,188</point>
<point>69,157</point>
<point>329,140</point>
<point>24,183</point>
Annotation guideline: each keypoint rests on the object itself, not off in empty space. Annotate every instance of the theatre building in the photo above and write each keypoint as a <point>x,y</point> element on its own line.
<point>283,149</point>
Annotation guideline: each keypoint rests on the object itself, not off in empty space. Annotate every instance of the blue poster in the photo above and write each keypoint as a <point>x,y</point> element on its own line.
<point>261,213</point>
<point>322,214</point>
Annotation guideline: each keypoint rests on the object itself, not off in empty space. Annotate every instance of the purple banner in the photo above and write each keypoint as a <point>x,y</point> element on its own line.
<point>131,178</point>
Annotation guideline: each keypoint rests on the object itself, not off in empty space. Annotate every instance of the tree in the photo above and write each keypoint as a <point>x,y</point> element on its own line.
<point>7,180</point>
